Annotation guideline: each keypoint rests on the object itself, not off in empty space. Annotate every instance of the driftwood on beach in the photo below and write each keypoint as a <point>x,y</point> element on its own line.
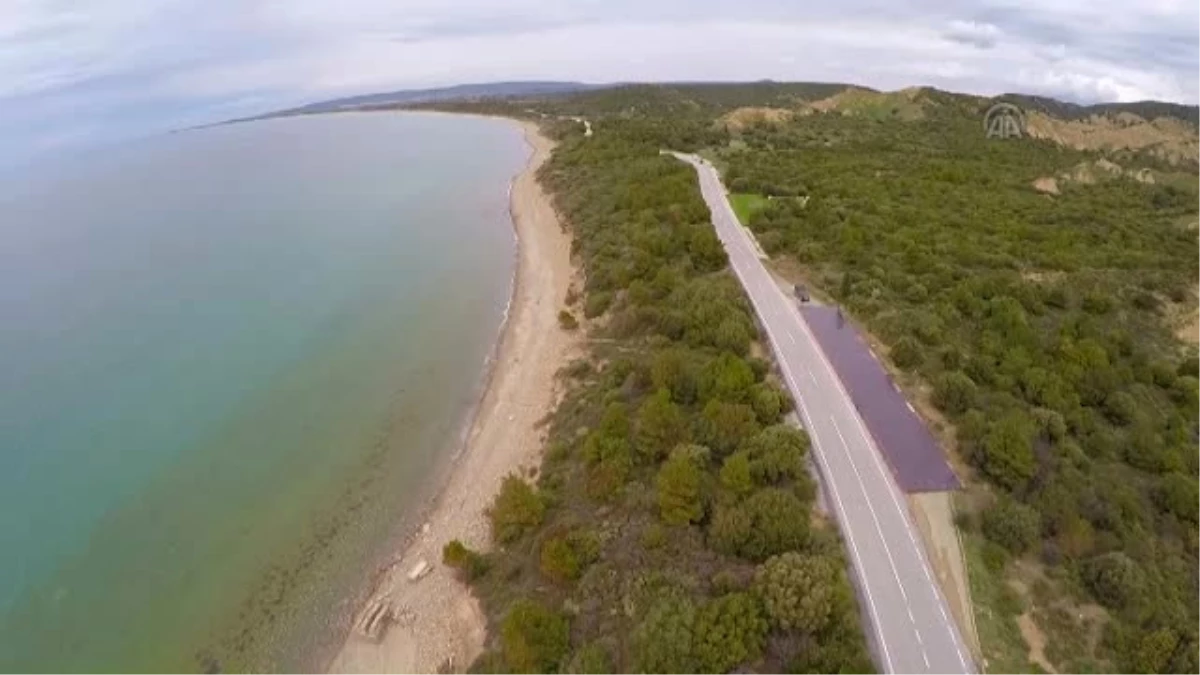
<point>375,618</point>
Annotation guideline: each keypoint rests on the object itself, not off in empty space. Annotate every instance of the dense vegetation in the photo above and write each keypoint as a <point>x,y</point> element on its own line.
<point>1036,325</point>
<point>672,526</point>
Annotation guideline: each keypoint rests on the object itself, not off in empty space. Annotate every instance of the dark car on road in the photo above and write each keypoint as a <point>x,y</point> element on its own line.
<point>801,292</point>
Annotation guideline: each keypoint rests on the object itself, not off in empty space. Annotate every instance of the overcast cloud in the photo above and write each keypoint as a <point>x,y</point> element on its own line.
<point>77,73</point>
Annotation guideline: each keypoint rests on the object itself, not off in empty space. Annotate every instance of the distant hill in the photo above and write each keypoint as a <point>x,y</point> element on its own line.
<point>455,93</point>
<point>1147,110</point>
<point>1165,129</point>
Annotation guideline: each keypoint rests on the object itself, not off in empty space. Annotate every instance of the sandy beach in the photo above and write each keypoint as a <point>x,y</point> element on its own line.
<point>439,622</point>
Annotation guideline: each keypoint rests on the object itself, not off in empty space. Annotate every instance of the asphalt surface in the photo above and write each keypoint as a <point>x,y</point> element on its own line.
<point>910,450</point>
<point>911,627</point>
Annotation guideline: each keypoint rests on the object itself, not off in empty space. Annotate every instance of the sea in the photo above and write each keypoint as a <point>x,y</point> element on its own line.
<point>234,362</point>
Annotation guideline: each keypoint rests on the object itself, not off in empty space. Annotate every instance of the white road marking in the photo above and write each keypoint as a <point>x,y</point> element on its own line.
<point>737,243</point>
<point>841,508</point>
<point>879,529</point>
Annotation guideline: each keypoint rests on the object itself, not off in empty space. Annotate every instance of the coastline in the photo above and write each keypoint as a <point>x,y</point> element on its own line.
<point>439,623</point>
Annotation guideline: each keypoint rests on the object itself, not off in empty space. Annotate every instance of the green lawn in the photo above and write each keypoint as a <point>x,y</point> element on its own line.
<point>746,205</point>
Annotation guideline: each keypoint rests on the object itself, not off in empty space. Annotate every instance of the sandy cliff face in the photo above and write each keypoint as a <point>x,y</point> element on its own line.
<point>1169,138</point>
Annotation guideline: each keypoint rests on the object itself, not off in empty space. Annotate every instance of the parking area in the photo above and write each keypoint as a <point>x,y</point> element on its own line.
<point>901,435</point>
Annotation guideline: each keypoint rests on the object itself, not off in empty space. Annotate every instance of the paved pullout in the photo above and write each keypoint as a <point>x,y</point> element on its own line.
<point>916,460</point>
<point>911,628</point>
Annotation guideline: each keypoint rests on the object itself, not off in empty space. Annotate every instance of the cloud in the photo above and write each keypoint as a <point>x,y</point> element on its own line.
<point>982,35</point>
<point>71,72</point>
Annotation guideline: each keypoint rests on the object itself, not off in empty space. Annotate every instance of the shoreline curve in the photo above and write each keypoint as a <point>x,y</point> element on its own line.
<point>439,622</point>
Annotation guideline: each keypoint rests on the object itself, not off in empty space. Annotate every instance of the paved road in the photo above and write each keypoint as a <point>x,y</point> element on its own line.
<point>912,630</point>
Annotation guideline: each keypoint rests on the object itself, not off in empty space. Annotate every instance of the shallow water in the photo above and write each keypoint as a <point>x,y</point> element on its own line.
<point>230,360</point>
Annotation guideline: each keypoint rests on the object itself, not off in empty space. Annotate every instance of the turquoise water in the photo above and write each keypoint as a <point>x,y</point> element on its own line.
<point>230,362</point>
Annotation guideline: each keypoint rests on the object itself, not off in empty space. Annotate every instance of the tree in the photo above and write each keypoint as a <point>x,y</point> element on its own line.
<point>723,426</point>
<point>662,642</point>
<point>1189,366</point>
<point>470,565</point>
<point>534,639</point>
<point>609,453</point>
<point>1179,495</point>
<point>672,370</point>
<point>1154,651</point>
<point>517,509</point>
<point>681,485</point>
<point>730,529</point>
<point>1007,451</point>
<point>802,592</point>
<point>767,401</point>
<point>728,631</point>
<point>735,474</point>
<point>776,454</point>
<point>906,353</point>
<point>1113,578</point>
<point>954,392</point>
<point>1012,524</point>
<point>563,558</point>
<point>567,320</point>
<point>1120,407</point>
<point>771,521</point>
<point>597,303</point>
<point>661,425</point>
<point>727,378</point>
<point>706,250</point>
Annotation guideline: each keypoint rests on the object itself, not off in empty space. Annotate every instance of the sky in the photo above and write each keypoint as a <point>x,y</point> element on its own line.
<point>77,74</point>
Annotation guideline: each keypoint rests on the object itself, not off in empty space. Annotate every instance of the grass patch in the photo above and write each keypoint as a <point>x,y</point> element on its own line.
<point>997,607</point>
<point>746,204</point>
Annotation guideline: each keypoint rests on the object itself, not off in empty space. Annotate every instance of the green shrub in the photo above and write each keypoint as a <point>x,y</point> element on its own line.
<point>771,521</point>
<point>596,304</point>
<point>954,392</point>
<point>802,592</point>
<point>681,485</point>
<point>1120,407</point>
<point>563,558</point>
<point>776,454</point>
<point>1007,452</point>
<point>767,401</point>
<point>533,638</point>
<point>1179,495</point>
<point>995,557</point>
<point>591,658</point>
<point>661,425</point>
<point>662,642</point>
<point>672,370</point>
<point>730,630</point>
<point>518,509</point>
<point>1012,524</point>
<point>727,378</point>
<point>723,426</point>
<point>470,564</point>
<point>1113,578</point>
<point>654,537</point>
<point>567,320</point>
<point>906,353</point>
<point>1190,366</point>
<point>735,474</point>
